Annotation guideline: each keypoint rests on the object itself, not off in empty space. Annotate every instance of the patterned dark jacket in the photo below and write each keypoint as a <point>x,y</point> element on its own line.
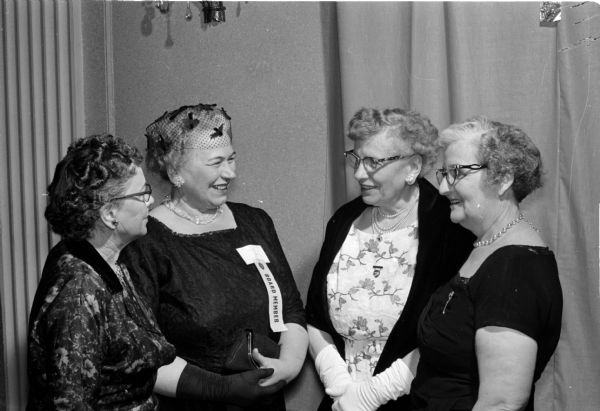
<point>93,343</point>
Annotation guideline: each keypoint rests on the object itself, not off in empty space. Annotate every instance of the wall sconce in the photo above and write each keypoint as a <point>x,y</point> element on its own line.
<point>214,11</point>
<point>162,6</point>
<point>550,12</point>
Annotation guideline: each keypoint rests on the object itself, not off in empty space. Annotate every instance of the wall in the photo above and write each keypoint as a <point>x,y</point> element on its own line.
<point>270,66</point>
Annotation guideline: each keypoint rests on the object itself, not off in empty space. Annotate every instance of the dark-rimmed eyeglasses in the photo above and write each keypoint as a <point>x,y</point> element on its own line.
<point>454,172</point>
<point>141,196</point>
<point>371,164</point>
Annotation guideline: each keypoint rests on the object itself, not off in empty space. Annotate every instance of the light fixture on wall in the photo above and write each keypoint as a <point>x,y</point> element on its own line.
<point>162,6</point>
<point>214,11</point>
<point>550,12</point>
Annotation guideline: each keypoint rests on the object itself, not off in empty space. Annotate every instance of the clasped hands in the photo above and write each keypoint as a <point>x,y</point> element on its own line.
<point>353,396</point>
<point>248,387</point>
<point>368,395</point>
<point>347,395</point>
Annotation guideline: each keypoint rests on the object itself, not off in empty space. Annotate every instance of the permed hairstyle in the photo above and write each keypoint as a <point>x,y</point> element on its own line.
<point>407,125</point>
<point>95,169</point>
<point>504,149</point>
<point>201,126</point>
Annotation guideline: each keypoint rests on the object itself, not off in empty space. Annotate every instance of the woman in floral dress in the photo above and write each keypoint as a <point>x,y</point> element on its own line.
<point>383,255</point>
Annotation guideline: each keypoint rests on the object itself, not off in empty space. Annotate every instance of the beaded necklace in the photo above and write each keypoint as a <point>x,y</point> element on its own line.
<point>500,233</point>
<point>201,219</point>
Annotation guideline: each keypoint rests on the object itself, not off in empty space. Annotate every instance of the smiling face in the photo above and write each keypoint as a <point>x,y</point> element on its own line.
<point>473,201</point>
<point>132,213</point>
<point>206,175</point>
<point>385,187</point>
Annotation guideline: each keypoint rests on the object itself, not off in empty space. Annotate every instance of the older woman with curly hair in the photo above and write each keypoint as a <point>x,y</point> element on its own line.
<point>383,255</point>
<point>486,336</point>
<point>93,342</point>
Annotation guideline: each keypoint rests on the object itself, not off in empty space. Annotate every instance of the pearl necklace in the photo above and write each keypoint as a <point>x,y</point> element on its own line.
<point>500,233</point>
<point>383,215</point>
<point>377,217</point>
<point>196,219</point>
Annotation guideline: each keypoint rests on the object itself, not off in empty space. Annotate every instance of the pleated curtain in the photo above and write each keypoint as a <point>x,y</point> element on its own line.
<point>447,60</point>
<point>454,60</point>
<point>42,92</point>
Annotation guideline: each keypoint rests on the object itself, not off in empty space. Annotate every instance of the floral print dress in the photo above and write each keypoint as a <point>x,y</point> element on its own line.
<point>93,342</point>
<point>367,287</point>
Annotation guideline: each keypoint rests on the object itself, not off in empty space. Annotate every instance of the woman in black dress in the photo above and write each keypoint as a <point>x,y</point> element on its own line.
<point>211,268</point>
<point>93,342</point>
<point>486,336</point>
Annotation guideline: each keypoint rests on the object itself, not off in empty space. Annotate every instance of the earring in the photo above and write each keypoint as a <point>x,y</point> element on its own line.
<point>116,224</point>
<point>410,180</point>
<point>177,181</point>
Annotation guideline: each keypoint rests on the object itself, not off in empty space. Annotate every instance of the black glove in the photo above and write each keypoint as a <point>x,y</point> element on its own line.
<point>240,389</point>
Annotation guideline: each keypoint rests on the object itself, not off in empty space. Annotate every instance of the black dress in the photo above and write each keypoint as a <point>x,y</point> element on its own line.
<point>203,293</point>
<point>516,287</point>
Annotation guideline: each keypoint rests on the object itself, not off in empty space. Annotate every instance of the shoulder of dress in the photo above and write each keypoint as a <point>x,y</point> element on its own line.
<point>74,279</point>
<point>242,209</point>
<point>350,210</point>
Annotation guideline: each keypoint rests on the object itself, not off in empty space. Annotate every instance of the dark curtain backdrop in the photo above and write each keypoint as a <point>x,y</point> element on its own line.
<point>454,60</point>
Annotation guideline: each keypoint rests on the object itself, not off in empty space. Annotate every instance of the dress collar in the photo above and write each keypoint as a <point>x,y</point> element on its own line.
<point>84,251</point>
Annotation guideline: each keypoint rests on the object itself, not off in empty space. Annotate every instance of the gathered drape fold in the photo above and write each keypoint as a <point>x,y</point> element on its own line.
<point>42,92</point>
<point>451,61</point>
<point>448,60</point>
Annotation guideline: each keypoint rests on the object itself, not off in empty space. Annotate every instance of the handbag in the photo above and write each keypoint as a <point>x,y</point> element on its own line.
<point>240,356</point>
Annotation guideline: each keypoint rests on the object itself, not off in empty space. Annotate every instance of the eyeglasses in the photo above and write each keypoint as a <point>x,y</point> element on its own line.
<point>371,164</point>
<point>145,195</point>
<point>452,173</point>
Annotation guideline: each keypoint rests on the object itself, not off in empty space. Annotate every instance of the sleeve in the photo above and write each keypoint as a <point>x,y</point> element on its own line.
<point>507,294</point>
<point>75,325</point>
<point>315,310</point>
<point>293,310</point>
<point>141,259</point>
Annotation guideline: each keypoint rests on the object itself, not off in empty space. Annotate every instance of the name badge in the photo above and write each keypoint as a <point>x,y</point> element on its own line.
<point>254,254</point>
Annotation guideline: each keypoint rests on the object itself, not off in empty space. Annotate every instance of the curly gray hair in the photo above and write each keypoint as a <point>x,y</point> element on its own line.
<point>505,150</point>
<point>407,125</point>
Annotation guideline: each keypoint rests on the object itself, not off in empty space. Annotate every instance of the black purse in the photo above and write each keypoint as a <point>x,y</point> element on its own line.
<point>240,356</point>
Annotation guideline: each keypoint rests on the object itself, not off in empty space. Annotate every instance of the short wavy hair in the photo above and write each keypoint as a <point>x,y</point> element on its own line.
<point>505,150</point>
<point>407,125</point>
<point>94,170</point>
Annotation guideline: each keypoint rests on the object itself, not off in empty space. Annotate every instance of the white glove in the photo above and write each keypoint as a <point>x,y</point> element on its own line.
<point>371,394</point>
<point>333,371</point>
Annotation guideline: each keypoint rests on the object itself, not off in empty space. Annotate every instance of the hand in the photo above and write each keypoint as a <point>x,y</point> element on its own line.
<point>333,371</point>
<point>283,372</point>
<point>244,388</point>
<point>337,389</point>
<point>354,399</point>
<point>370,394</point>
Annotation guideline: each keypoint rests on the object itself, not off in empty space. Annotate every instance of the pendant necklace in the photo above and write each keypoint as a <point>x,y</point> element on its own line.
<point>202,219</point>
